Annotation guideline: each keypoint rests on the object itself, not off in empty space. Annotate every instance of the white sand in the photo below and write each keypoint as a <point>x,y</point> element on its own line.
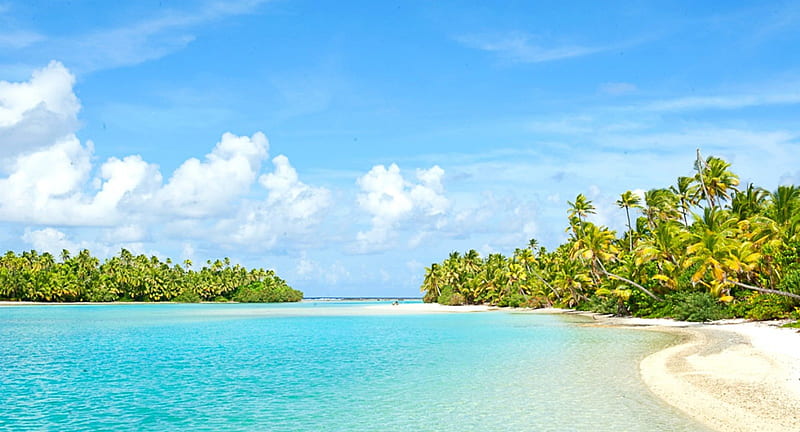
<point>735,377</point>
<point>730,376</point>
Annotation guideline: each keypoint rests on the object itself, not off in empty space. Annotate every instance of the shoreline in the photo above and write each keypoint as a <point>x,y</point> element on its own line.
<point>731,375</point>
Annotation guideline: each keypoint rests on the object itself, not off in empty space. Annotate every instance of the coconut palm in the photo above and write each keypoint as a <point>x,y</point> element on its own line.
<point>578,210</point>
<point>687,193</point>
<point>660,205</point>
<point>629,200</point>
<point>715,179</point>
<point>749,202</point>
<point>784,203</point>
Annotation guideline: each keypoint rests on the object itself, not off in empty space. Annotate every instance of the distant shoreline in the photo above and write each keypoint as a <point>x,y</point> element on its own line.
<point>304,300</point>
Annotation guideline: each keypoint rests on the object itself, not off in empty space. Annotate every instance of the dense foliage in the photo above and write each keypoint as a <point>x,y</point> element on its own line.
<point>40,277</point>
<point>701,249</point>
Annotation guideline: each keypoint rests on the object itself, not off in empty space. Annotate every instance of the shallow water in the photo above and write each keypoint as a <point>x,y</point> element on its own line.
<point>320,367</point>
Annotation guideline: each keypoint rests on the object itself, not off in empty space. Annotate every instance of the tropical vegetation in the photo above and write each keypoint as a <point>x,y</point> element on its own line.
<point>33,276</point>
<point>702,249</point>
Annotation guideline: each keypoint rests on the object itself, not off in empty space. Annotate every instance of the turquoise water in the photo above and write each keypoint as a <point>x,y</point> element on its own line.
<point>319,367</point>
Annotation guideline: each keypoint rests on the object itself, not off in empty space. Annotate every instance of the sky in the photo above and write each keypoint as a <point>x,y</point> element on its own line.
<point>348,145</point>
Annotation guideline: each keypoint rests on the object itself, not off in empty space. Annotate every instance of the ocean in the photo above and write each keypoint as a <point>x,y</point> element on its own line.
<point>320,366</point>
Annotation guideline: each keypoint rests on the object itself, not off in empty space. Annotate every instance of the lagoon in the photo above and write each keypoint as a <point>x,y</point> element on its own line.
<point>321,366</point>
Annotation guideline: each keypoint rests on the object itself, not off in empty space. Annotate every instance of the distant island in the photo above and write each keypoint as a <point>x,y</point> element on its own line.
<point>36,277</point>
<point>703,249</point>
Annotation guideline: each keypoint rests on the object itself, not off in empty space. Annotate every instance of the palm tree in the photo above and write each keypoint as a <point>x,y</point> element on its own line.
<point>627,201</point>
<point>665,247</point>
<point>715,179</point>
<point>660,205</point>
<point>749,202</point>
<point>784,203</point>
<point>686,191</point>
<point>570,278</point>
<point>579,209</point>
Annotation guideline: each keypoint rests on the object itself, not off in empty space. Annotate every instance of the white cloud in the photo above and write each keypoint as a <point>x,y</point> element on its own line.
<point>19,39</point>
<point>200,189</point>
<point>52,180</point>
<point>617,88</point>
<point>390,199</point>
<point>310,270</point>
<point>291,208</point>
<point>305,267</point>
<point>129,183</point>
<point>526,48</point>
<point>125,233</point>
<point>165,33</point>
<point>725,102</point>
<point>49,240</point>
<point>36,113</point>
<point>44,187</point>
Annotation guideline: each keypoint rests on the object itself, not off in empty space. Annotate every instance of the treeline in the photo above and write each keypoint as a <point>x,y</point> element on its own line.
<point>701,249</point>
<point>32,276</point>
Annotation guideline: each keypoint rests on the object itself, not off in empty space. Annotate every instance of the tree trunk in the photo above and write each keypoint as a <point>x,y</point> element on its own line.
<point>630,230</point>
<point>765,290</point>
<point>545,282</point>
<point>702,180</point>
<point>613,276</point>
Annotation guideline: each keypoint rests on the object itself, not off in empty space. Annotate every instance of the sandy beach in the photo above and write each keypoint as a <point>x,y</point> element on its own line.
<point>742,376</point>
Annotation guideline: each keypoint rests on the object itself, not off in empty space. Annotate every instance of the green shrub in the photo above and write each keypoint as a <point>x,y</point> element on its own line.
<point>697,306</point>
<point>449,297</point>
<point>686,305</point>
<point>603,305</point>
<point>187,296</point>
<point>512,300</point>
<point>760,307</point>
<point>267,291</point>
<point>641,305</point>
<point>790,282</point>
<point>457,299</point>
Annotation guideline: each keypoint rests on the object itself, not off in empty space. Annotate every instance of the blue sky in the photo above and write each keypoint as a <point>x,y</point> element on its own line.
<point>349,144</point>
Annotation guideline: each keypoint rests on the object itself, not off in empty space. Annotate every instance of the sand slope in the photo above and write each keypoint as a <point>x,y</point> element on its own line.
<point>739,377</point>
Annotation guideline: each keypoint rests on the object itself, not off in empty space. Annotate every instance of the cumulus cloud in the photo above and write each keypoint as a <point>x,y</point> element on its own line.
<point>291,208</point>
<point>390,199</point>
<point>36,113</point>
<point>51,180</point>
<point>200,189</point>
<point>44,186</point>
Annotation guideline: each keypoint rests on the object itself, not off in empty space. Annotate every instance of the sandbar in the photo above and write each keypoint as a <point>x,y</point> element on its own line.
<point>742,376</point>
